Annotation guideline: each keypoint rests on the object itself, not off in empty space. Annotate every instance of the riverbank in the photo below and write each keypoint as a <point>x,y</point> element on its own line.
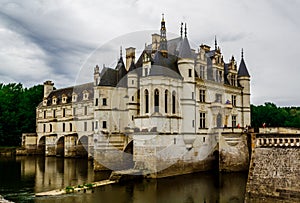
<point>7,151</point>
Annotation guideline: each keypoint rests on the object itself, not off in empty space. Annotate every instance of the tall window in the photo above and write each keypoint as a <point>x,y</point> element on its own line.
<point>64,112</point>
<point>173,102</point>
<point>166,101</point>
<point>64,127</point>
<point>233,100</point>
<point>54,113</point>
<point>202,96</point>
<point>71,127</point>
<point>233,121</point>
<point>93,127</point>
<point>50,127</point>
<point>44,127</point>
<point>156,100</point>
<point>202,120</point>
<point>146,101</point>
<point>96,125</point>
<point>190,72</point>
<point>96,102</point>
<point>202,72</point>
<point>44,114</point>
<point>74,111</point>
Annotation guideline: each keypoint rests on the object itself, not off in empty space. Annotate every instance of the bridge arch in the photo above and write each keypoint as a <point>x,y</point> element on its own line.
<point>41,145</point>
<point>60,146</point>
<point>82,146</point>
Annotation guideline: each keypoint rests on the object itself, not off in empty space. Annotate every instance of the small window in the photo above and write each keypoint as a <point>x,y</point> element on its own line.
<point>96,125</point>
<point>74,111</point>
<point>64,112</point>
<point>104,125</point>
<point>54,114</point>
<point>85,110</point>
<point>233,121</point>
<point>132,81</point>
<point>71,127</point>
<point>132,118</point>
<point>64,127</point>
<point>85,126</point>
<point>193,123</point>
<point>192,95</point>
<point>190,72</point>
<point>44,128</point>
<point>96,102</point>
<point>45,114</point>
<point>132,98</point>
<point>93,126</point>
<point>104,102</point>
<point>203,139</point>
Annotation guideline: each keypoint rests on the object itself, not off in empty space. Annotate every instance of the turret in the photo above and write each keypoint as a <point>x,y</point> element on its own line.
<point>186,60</point>
<point>244,81</point>
<point>48,88</point>
<point>163,47</point>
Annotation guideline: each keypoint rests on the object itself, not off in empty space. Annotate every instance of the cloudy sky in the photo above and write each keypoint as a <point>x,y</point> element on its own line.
<point>42,40</point>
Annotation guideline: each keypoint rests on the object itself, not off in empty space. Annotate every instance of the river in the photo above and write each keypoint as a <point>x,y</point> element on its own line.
<point>22,177</point>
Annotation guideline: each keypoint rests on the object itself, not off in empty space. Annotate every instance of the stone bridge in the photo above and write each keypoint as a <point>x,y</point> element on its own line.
<point>274,172</point>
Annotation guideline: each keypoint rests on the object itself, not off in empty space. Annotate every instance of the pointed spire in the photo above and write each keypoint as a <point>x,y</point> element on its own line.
<point>163,47</point>
<point>121,54</point>
<point>163,17</point>
<point>181,29</point>
<point>243,71</point>
<point>185,30</point>
<point>216,43</point>
<point>242,53</point>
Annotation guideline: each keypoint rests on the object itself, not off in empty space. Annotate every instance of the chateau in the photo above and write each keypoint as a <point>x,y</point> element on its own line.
<point>171,110</point>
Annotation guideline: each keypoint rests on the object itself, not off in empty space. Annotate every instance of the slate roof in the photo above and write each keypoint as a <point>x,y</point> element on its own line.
<point>243,69</point>
<point>78,89</point>
<point>185,49</point>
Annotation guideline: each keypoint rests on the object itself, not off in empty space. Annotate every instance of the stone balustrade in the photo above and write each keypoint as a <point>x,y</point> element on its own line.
<point>278,142</point>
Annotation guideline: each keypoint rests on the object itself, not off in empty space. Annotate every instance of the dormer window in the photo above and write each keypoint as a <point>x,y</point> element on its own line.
<point>64,98</point>
<point>74,97</point>
<point>45,102</point>
<point>54,100</point>
<point>85,94</point>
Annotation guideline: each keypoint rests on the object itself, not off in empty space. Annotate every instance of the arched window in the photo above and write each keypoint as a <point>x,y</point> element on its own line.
<point>173,102</point>
<point>156,100</point>
<point>146,101</point>
<point>166,101</point>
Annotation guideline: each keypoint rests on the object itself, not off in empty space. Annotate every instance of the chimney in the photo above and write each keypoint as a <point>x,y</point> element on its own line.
<point>155,42</point>
<point>130,56</point>
<point>48,88</point>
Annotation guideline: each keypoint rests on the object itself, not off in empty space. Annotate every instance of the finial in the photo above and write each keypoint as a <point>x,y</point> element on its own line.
<point>163,17</point>
<point>242,53</point>
<point>121,54</point>
<point>181,29</point>
<point>185,30</point>
<point>216,43</point>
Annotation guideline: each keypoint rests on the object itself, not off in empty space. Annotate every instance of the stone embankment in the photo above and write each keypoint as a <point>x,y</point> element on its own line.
<point>275,168</point>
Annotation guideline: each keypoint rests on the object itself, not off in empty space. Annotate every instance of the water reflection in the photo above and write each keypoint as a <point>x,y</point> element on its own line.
<point>21,177</point>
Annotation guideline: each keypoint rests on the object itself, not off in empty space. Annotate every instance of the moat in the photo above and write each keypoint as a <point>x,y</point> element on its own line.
<point>22,177</point>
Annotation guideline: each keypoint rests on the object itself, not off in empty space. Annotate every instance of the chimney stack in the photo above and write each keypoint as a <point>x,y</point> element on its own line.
<point>130,56</point>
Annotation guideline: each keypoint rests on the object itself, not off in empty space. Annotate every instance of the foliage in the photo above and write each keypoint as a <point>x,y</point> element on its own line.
<point>69,189</point>
<point>274,116</point>
<point>17,111</point>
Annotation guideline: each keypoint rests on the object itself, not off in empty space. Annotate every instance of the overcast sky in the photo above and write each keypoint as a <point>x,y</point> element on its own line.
<point>52,40</point>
